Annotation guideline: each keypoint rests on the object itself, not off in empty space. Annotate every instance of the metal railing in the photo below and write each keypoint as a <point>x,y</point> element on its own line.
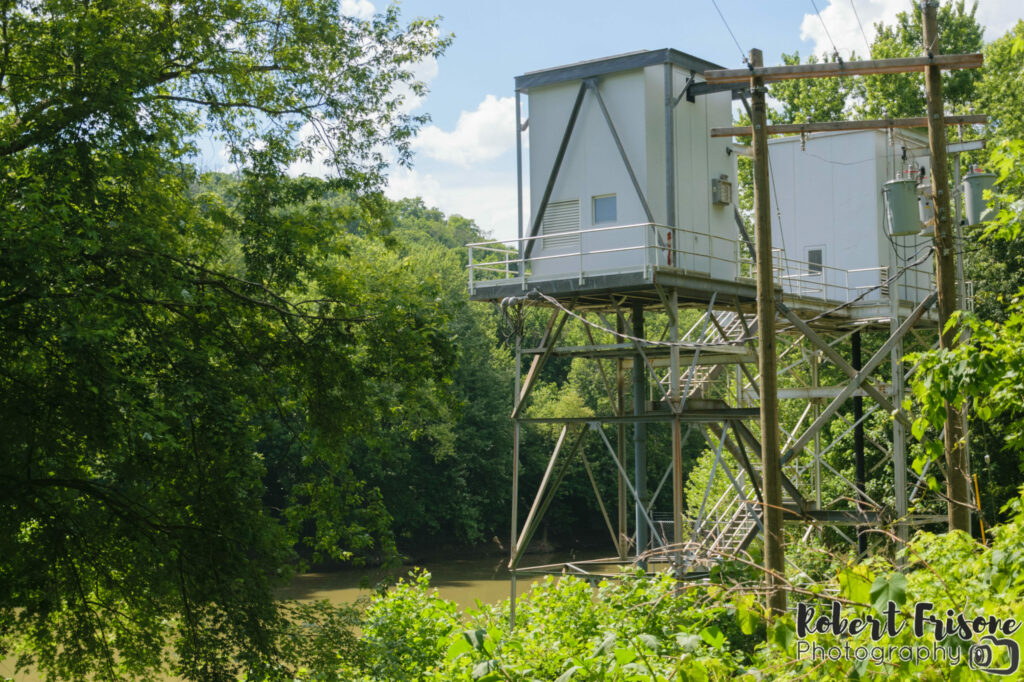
<point>642,247</point>
<point>721,529</point>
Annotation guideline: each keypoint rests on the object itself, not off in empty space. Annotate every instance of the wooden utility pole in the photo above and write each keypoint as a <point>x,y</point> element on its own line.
<point>774,551</point>
<point>957,473</point>
<point>757,75</point>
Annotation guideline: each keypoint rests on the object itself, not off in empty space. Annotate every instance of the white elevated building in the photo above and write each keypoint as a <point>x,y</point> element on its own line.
<point>632,218</point>
<point>828,215</point>
<point>628,192</point>
<point>635,160</point>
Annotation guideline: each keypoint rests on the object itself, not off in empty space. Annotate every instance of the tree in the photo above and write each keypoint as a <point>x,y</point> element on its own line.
<point>902,95</point>
<point>985,371</point>
<point>454,485</point>
<point>810,99</point>
<point>1001,90</point>
<point>156,336</point>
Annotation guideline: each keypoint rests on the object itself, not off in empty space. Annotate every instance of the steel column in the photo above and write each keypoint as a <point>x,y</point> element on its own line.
<point>677,436</point>
<point>639,433</point>
<point>620,444</point>
<point>858,446</point>
<point>515,484</point>
<point>670,152</point>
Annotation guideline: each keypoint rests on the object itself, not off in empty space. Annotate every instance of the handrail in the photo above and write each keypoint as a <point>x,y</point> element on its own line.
<point>688,251</point>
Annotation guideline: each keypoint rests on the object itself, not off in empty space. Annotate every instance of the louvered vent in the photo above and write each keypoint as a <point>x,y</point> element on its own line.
<point>884,275</point>
<point>560,217</point>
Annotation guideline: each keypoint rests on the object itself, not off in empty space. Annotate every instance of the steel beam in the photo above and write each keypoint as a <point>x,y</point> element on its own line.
<point>693,416</point>
<point>858,380</point>
<point>592,84</point>
<point>546,489</point>
<point>645,517</point>
<point>840,363</point>
<point>551,334</point>
<point>559,156</point>
<point>600,500</point>
<point>814,392</point>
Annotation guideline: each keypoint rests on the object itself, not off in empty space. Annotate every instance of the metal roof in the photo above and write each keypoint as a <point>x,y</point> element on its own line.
<point>613,64</point>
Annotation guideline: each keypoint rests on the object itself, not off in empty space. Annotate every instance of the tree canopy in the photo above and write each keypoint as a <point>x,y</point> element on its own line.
<point>184,364</point>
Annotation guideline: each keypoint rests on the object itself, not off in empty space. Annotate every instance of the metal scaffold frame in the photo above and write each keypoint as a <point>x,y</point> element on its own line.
<point>684,379</point>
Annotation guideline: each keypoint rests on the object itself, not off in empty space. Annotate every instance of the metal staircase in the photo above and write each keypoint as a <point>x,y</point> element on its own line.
<point>695,381</point>
<point>724,531</point>
<point>728,527</point>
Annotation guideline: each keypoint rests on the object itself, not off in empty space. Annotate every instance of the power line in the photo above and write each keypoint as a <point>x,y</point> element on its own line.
<point>862,31</point>
<point>835,50</point>
<point>727,28</point>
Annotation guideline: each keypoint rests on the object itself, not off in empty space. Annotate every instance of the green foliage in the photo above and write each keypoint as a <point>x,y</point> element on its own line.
<point>637,628</point>
<point>985,369</point>
<point>186,359</point>
<point>405,632</point>
<point>1001,89</point>
<point>697,482</point>
<point>320,638</point>
<point>810,99</point>
<point>900,95</point>
<point>1005,161</point>
<point>649,627</point>
<point>885,589</point>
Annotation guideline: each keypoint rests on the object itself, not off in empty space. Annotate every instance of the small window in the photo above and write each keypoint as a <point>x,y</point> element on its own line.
<point>605,209</point>
<point>815,260</point>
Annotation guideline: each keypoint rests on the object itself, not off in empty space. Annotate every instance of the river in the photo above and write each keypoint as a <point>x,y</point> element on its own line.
<point>463,581</point>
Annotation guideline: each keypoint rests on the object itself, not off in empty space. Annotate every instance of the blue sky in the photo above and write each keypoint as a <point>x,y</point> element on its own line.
<point>465,158</point>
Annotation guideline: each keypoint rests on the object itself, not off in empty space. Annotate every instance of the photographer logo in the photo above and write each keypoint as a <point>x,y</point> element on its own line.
<point>984,641</point>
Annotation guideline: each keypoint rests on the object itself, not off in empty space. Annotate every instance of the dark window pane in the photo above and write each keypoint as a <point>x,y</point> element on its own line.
<point>814,261</point>
<point>605,210</point>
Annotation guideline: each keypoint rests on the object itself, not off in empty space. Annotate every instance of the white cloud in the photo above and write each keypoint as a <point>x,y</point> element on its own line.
<point>360,9</point>
<point>480,135</point>
<point>487,198</point>
<point>997,16</point>
<point>841,20</point>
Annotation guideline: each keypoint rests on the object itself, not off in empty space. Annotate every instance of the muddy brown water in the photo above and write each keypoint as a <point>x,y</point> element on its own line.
<point>463,581</point>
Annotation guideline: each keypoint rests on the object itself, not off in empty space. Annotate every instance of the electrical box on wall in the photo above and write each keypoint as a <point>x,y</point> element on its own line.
<point>721,190</point>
